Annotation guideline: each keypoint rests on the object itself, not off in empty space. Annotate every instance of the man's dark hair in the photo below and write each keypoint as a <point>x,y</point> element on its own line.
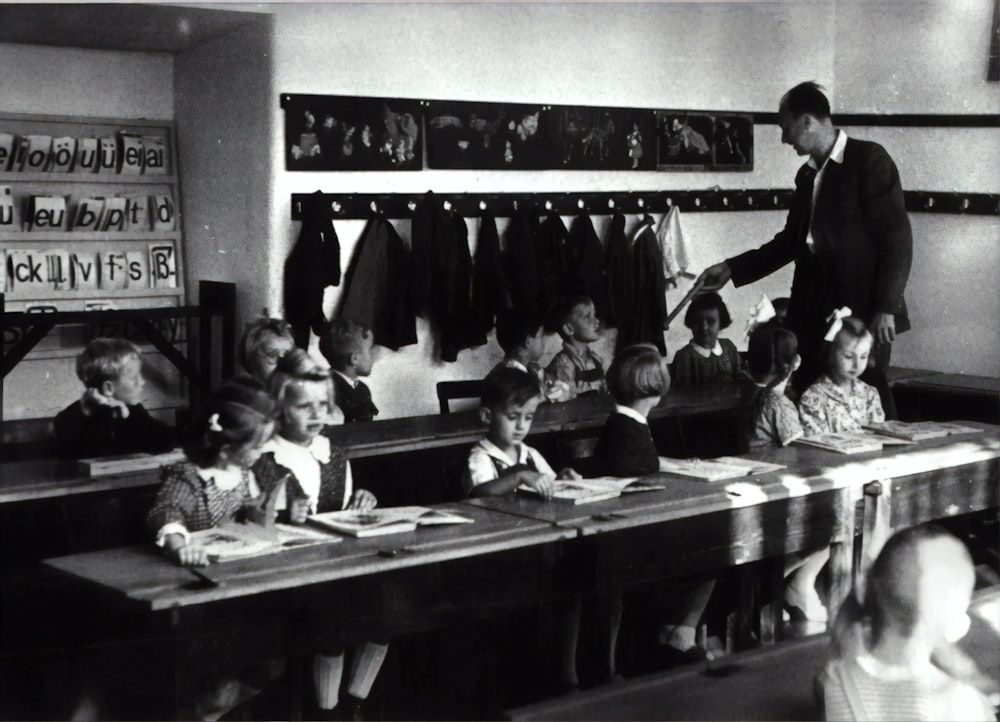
<point>806,98</point>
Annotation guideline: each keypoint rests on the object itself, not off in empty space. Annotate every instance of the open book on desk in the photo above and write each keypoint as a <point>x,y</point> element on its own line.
<point>720,469</point>
<point>920,430</point>
<point>239,541</point>
<point>386,520</point>
<point>578,491</point>
<point>851,442</point>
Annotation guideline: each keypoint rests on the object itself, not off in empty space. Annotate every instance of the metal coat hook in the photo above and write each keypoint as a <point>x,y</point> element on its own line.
<point>580,204</point>
<point>670,202</point>
<point>697,202</point>
<point>641,203</point>
<point>298,207</point>
<point>374,206</point>
<point>412,205</point>
<point>335,207</point>
<point>929,203</point>
<point>965,204</point>
<point>548,205</point>
<point>446,205</point>
<point>482,205</point>
<point>611,202</point>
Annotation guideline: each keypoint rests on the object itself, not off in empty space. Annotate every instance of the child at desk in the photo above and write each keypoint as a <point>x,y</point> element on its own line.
<point>885,646</point>
<point>321,481</point>
<point>501,462</point>
<point>522,339</point>
<point>707,358</point>
<point>576,365</point>
<point>839,400</point>
<point>638,378</point>
<point>109,418</point>
<point>211,488</point>
<point>264,341</point>
<point>347,346</point>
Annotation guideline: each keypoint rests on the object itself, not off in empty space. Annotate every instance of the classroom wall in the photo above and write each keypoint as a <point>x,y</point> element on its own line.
<point>739,56</point>
<point>47,80</point>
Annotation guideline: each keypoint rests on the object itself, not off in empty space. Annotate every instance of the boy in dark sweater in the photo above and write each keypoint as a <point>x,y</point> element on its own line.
<point>347,346</point>
<point>108,419</point>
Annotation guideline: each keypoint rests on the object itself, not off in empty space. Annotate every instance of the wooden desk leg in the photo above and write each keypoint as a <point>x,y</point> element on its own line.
<point>876,529</point>
<point>773,601</point>
<point>184,684</point>
<point>841,562</point>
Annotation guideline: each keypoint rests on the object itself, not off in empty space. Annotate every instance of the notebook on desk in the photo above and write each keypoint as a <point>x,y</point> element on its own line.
<point>720,469</point>
<point>388,520</point>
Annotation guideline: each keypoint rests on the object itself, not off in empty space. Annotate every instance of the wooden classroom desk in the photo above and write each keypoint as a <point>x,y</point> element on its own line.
<point>946,396</point>
<point>51,478</point>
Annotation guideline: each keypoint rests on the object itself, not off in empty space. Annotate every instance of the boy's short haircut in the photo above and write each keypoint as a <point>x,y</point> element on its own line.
<point>706,302</point>
<point>638,372</point>
<point>256,332</point>
<point>506,387</point>
<point>102,360</point>
<point>340,340</point>
<point>562,310</point>
<point>514,329</point>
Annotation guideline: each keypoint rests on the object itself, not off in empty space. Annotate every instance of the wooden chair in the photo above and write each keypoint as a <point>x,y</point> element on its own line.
<point>449,390</point>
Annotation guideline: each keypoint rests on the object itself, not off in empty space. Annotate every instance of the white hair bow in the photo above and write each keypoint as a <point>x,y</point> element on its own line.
<point>760,314</point>
<point>213,423</point>
<point>836,321</point>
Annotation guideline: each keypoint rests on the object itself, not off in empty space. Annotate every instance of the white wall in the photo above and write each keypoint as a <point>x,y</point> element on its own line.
<point>651,55</point>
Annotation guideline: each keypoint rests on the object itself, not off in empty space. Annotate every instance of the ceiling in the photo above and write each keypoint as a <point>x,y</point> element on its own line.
<point>144,27</point>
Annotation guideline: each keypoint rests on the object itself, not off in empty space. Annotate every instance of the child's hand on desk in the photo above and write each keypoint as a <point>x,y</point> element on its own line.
<point>542,483</point>
<point>299,511</point>
<point>569,473</point>
<point>362,500</point>
<point>187,555</point>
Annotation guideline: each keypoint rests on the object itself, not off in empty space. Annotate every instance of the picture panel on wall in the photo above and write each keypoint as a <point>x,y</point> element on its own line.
<point>683,140</point>
<point>489,136</point>
<point>732,142</point>
<point>605,138</point>
<point>347,133</point>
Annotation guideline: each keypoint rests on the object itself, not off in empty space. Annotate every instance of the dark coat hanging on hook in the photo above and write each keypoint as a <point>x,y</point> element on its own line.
<point>616,263</point>
<point>646,288</point>
<point>585,257</point>
<point>521,262</point>
<point>443,277</point>
<point>312,265</point>
<point>376,293</point>
<point>553,266</point>
<point>490,296</point>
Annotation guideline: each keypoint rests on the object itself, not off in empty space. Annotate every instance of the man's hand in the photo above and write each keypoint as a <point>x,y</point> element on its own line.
<point>883,327</point>
<point>715,277</point>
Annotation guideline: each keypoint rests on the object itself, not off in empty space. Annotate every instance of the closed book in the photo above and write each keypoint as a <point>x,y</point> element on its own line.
<point>124,463</point>
<point>842,443</point>
<point>714,469</point>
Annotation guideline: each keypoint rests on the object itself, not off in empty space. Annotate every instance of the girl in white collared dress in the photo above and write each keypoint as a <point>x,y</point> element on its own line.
<point>707,358</point>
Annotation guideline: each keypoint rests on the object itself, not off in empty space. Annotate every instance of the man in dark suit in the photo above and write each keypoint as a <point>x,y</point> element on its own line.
<point>847,232</point>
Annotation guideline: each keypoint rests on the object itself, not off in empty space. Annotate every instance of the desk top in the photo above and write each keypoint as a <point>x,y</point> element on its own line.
<point>964,384</point>
<point>48,478</point>
<point>894,374</point>
<point>144,575</point>
<point>807,470</point>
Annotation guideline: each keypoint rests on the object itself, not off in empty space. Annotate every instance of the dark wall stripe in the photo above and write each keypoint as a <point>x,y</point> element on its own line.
<point>902,120</point>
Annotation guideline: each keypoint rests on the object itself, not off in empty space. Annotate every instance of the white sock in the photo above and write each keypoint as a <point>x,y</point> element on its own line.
<point>680,636</point>
<point>365,665</point>
<point>327,673</point>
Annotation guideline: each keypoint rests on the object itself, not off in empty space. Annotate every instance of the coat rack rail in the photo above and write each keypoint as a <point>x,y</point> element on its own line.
<point>402,205</point>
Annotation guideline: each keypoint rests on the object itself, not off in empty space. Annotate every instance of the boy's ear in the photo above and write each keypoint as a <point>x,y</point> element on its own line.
<point>486,415</point>
<point>107,388</point>
<point>796,363</point>
<point>567,329</point>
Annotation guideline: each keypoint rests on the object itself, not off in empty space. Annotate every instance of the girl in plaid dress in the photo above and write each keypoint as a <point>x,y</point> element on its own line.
<point>211,487</point>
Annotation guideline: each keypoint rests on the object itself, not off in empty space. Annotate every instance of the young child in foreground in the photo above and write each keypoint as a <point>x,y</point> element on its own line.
<point>265,340</point>
<point>638,379</point>
<point>707,358</point>
<point>109,418</point>
<point>522,339</point>
<point>576,365</point>
<point>839,400</point>
<point>915,603</point>
<point>212,488</point>
<point>347,346</point>
<point>320,481</point>
<point>500,463</point>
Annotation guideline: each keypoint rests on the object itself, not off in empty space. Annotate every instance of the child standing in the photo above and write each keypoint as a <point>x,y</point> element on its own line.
<point>916,601</point>
<point>575,319</point>
<point>707,358</point>
<point>211,488</point>
<point>772,357</point>
<point>638,379</point>
<point>522,339</point>
<point>347,346</point>
<point>109,418</point>
<point>839,400</point>
<point>320,482</point>
<point>264,341</point>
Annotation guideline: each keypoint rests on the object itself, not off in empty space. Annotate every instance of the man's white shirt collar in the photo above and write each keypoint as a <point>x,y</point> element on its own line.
<point>836,153</point>
<point>631,413</point>
<point>706,352</point>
